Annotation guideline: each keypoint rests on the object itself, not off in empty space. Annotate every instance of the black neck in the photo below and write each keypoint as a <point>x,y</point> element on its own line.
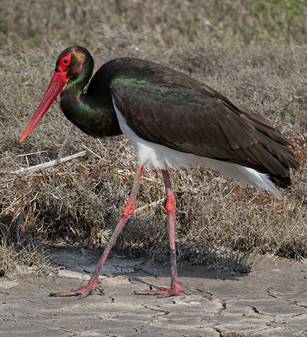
<point>92,112</point>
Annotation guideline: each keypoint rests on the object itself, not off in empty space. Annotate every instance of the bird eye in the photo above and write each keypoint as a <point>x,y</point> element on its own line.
<point>65,62</point>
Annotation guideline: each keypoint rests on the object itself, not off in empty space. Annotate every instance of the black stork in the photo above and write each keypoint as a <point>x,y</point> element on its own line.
<point>172,121</point>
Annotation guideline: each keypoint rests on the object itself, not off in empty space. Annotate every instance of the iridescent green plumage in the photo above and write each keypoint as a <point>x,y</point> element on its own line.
<point>169,108</point>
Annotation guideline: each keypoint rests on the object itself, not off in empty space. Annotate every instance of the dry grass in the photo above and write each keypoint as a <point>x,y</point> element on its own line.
<point>28,255</point>
<point>251,53</point>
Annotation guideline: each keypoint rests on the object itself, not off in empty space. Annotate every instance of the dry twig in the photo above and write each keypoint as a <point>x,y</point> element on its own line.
<point>48,164</point>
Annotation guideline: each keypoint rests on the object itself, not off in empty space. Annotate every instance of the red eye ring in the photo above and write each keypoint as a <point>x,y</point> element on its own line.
<point>64,62</point>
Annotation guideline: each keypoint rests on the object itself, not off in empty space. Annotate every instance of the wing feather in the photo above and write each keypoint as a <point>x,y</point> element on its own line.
<point>202,122</point>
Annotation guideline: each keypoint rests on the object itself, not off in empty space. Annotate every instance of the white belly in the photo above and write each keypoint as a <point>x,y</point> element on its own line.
<point>157,156</point>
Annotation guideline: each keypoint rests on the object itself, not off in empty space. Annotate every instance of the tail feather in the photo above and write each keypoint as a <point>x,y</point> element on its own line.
<point>261,181</point>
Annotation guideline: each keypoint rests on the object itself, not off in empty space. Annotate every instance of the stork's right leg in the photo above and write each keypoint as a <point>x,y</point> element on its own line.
<point>170,208</point>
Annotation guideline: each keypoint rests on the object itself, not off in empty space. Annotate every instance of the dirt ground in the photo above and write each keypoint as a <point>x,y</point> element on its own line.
<point>269,301</point>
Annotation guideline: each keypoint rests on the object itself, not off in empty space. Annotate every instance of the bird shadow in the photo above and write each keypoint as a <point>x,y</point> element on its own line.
<point>81,261</point>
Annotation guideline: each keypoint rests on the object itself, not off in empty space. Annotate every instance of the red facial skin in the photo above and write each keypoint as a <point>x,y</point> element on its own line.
<point>56,85</point>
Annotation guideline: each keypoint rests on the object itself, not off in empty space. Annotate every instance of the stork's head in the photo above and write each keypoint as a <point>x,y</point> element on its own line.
<point>70,66</point>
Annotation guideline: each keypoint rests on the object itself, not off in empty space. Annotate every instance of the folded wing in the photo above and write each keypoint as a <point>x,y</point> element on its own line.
<point>203,122</point>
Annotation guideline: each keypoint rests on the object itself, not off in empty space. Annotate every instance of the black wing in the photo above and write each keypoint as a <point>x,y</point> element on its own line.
<point>199,120</point>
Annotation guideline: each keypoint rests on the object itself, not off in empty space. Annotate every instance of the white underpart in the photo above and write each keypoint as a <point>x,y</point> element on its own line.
<point>157,156</point>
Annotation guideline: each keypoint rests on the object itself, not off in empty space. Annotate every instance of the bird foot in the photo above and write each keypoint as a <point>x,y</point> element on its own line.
<point>84,291</point>
<point>177,290</point>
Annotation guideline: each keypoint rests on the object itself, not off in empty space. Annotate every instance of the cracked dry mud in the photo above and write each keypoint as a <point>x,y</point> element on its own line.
<point>269,301</point>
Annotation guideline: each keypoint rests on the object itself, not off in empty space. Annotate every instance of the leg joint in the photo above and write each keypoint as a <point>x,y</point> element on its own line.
<point>129,209</point>
<point>170,206</point>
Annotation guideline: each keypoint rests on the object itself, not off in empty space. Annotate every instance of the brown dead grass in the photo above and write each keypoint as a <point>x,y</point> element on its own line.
<point>255,58</point>
<point>25,256</point>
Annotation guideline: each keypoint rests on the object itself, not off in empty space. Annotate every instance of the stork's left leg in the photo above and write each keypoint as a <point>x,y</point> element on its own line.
<point>170,208</point>
<point>127,214</point>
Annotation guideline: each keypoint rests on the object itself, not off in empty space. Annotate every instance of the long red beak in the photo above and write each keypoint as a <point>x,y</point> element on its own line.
<point>56,85</point>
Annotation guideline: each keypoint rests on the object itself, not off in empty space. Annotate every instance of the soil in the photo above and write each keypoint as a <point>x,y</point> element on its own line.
<point>271,300</point>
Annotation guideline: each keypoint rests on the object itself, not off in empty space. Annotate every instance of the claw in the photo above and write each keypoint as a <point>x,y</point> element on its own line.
<point>82,292</point>
<point>177,290</point>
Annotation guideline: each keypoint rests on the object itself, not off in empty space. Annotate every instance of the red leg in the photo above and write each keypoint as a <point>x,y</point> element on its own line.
<point>127,214</point>
<point>170,208</point>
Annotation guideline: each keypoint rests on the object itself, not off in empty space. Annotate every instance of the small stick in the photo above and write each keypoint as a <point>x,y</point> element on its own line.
<point>30,153</point>
<point>154,203</point>
<point>48,164</point>
<point>92,152</point>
